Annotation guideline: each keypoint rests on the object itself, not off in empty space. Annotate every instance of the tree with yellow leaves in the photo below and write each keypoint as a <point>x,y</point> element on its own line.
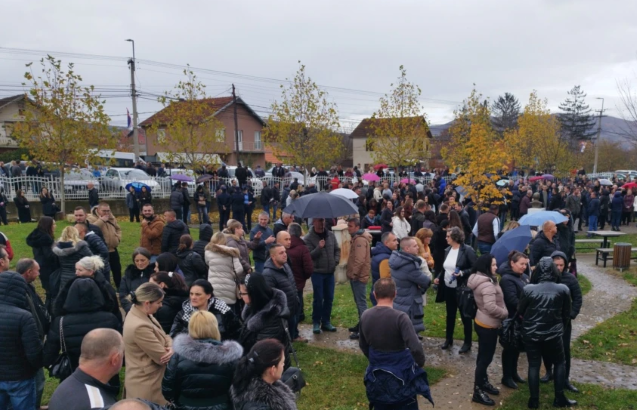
<point>187,128</point>
<point>476,151</point>
<point>399,127</point>
<point>64,121</point>
<point>537,143</point>
<point>304,124</point>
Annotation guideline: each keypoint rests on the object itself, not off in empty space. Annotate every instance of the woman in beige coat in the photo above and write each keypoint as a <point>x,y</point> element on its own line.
<point>224,269</point>
<point>148,348</point>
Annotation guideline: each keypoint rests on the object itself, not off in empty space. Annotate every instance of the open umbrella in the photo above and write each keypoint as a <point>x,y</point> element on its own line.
<point>514,240</point>
<point>407,181</point>
<point>204,178</point>
<point>345,193</point>
<point>538,218</point>
<point>629,185</point>
<point>371,177</point>
<point>548,177</point>
<point>533,179</point>
<point>321,205</point>
<point>380,166</point>
<point>606,182</point>
<point>181,177</point>
<point>502,182</point>
<point>138,186</point>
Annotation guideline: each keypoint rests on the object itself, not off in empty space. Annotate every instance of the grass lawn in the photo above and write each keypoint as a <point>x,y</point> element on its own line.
<point>590,248</point>
<point>592,397</point>
<point>629,275</point>
<point>584,283</point>
<point>335,379</point>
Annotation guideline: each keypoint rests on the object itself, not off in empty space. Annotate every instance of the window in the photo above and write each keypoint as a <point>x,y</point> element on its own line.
<point>240,139</point>
<point>369,145</point>
<point>257,140</point>
<point>221,134</point>
<point>161,136</point>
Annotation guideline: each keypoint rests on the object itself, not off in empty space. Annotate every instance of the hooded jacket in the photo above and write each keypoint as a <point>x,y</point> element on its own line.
<point>617,202</point>
<point>300,262</point>
<point>171,234</point>
<point>192,266</point>
<point>260,395</point>
<point>229,324</point>
<point>84,305</point>
<point>542,247</point>
<point>546,306</point>
<point>380,253</point>
<point>572,283</point>
<point>20,346</point>
<point>110,229</point>
<point>489,299</point>
<point>42,246</point>
<point>224,271</point>
<point>152,230</point>
<point>266,323</point>
<point>359,262</point>
<point>205,234</point>
<point>171,306</point>
<point>282,279</point>
<point>68,255</point>
<point>132,279</point>
<point>326,258</point>
<point>511,285</point>
<point>199,374</point>
<point>411,284</point>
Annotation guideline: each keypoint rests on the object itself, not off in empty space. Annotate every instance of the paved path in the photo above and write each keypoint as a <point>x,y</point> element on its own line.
<point>609,296</point>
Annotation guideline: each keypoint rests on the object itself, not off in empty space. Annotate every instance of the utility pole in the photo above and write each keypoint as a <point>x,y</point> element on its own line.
<point>599,134</point>
<point>236,125</point>
<point>131,64</point>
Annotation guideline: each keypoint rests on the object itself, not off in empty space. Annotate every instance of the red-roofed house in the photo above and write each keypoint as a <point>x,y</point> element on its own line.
<point>250,127</point>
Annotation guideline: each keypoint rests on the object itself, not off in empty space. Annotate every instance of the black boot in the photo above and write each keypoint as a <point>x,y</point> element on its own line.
<point>518,379</point>
<point>508,382</point>
<point>466,347</point>
<point>489,388</point>
<point>534,403</point>
<point>355,329</point>
<point>547,377</point>
<point>481,397</point>
<point>568,386</point>
<point>447,344</point>
<point>562,401</point>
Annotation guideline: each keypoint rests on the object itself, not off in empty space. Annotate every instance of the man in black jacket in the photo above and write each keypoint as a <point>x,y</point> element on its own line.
<point>418,217</point>
<point>172,232</point>
<point>278,275</point>
<point>20,345</point>
<point>93,195</point>
<point>241,173</point>
<point>266,197</point>
<point>544,243</point>
<point>205,234</point>
<point>30,270</point>
<point>88,388</point>
<point>223,205</point>
<point>187,201</point>
<point>561,262</point>
<point>466,224</point>
<point>177,200</point>
<point>80,218</point>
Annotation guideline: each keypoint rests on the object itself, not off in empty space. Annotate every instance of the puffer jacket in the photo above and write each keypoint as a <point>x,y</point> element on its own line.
<point>192,266</point>
<point>171,234</point>
<point>326,258</point>
<point>546,306</point>
<point>300,262</point>
<point>176,199</point>
<point>205,234</point>
<point>152,230</point>
<point>42,245</point>
<point>380,252</point>
<point>199,374</point>
<point>617,203</point>
<point>572,283</point>
<point>411,284</point>
<point>229,323</point>
<point>511,285</point>
<point>224,271</point>
<point>489,299</point>
<point>110,229</point>
<point>170,307</point>
<point>359,263</point>
<point>68,255</point>
<point>283,280</point>
<point>234,241</point>
<point>84,305</point>
<point>267,323</point>
<point>20,346</point>
<point>260,395</point>
<point>133,278</point>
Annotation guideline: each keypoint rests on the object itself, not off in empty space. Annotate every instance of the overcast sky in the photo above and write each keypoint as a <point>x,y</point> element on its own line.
<point>446,46</point>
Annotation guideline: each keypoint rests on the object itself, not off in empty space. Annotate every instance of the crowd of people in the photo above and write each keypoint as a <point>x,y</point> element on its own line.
<point>209,323</point>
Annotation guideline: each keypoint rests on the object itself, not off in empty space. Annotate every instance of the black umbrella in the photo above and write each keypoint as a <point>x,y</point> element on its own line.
<point>321,205</point>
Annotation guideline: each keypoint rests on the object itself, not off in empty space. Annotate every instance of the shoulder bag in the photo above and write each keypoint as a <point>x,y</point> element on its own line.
<point>62,367</point>
<point>292,376</point>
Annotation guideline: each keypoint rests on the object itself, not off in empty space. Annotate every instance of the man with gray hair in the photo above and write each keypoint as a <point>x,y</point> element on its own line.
<point>283,223</point>
<point>260,253</point>
<point>101,359</point>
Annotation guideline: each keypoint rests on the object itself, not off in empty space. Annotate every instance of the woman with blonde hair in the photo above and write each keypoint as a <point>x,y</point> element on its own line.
<point>199,374</point>
<point>148,348</point>
<point>511,225</point>
<point>224,268</point>
<point>69,249</point>
<point>424,235</point>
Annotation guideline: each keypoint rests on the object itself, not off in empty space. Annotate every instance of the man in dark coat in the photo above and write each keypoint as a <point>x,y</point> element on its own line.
<point>278,275</point>
<point>173,230</point>
<point>177,200</point>
<point>93,195</point>
<point>266,197</point>
<point>20,345</point>
<point>593,212</point>
<point>241,173</point>
<point>223,204</point>
<point>187,201</point>
<point>544,243</point>
<point>282,223</point>
<point>300,262</point>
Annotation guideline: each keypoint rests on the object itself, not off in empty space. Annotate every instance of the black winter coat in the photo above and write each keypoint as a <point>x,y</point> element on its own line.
<point>98,247</point>
<point>176,199</point>
<point>48,205</point>
<point>20,346</point>
<point>205,234</point>
<point>68,255</point>
<point>229,323</point>
<point>85,305</point>
<point>133,278</point>
<point>171,234</point>
<point>192,265</point>
<point>199,374</point>
<point>170,307</point>
<point>466,259</point>
<point>542,247</point>
<point>572,283</point>
<point>385,219</point>
<point>566,239</point>
<point>282,279</point>
<point>511,285</point>
<point>42,245</point>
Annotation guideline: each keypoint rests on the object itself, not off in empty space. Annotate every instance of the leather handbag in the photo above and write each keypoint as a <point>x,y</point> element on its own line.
<point>292,376</point>
<point>62,367</point>
<point>511,334</point>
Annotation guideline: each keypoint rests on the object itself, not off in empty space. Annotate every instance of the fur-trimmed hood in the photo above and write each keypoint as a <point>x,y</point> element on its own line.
<point>62,249</point>
<point>207,351</point>
<point>277,306</point>
<point>276,396</point>
<point>222,249</point>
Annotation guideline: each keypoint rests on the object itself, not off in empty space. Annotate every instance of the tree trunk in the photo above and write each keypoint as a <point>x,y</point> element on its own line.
<point>62,192</point>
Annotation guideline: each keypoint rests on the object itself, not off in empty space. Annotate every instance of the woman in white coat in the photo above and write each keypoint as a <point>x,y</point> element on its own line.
<point>400,225</point>
<point>224,269</point>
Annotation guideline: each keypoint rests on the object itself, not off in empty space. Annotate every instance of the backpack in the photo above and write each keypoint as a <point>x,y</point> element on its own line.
<point>467,302</point>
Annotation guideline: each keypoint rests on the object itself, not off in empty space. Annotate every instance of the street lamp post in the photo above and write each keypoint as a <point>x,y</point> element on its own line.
<point>131,63</point>
<point>599,133</point>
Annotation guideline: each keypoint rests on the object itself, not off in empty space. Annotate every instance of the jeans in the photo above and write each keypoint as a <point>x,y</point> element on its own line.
<point>359,289</point>
<point>487,342</point>
<point>484,247</point>
<point>39,387</point>
<point>116,268</point>
<point>602,221</point>
<point>293,326</point>
<point>553,352</point>
<point>301,314</point>
<point>592,223</point>
<point>248,218</point>
<point>20,394</point>
<point>323,284</point>
<point>274,209</point>
<point>203,215</point>
<point>451,303</point>
<point>615,218</point>
<point>258,265</point>
<point>223,218</point>
<point>566,341</point>
<point>266,208</point>
<point>133,213</point>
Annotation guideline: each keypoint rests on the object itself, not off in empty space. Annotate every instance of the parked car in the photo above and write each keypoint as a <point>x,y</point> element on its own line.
<point>77,180</point>
<point>116,179</point>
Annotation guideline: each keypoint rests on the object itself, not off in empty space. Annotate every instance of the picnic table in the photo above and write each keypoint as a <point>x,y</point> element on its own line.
<point>606,235</point>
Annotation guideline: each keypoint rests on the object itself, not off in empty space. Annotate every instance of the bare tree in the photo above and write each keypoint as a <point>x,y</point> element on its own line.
<point>628,109</point>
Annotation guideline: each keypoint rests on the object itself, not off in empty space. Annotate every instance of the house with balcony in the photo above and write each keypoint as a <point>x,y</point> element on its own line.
<point>249,126</point>
<point>11,111</point>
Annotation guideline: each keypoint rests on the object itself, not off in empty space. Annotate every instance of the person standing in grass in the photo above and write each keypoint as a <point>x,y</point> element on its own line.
<point>358,268</point>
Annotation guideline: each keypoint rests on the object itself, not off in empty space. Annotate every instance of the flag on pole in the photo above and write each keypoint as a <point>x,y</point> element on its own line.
<point>130,122</point>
